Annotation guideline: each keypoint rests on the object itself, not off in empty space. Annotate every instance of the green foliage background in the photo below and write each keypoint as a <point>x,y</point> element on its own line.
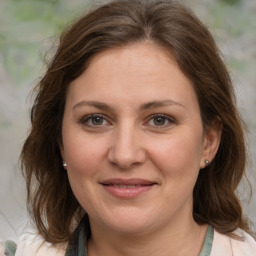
<point>26,25</point>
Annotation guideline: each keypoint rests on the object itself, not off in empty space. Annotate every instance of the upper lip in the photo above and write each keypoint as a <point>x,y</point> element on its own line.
<point>134,181</point>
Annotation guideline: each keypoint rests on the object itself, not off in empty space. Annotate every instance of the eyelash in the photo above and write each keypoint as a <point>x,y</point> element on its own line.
<point>86,119</point>
<point>165,117</point>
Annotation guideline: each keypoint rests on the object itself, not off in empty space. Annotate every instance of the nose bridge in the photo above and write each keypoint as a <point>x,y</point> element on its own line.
<point>126,148</point>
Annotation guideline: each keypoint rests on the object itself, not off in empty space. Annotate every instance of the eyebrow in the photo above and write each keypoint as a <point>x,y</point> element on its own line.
<point>145,106</point>
<point>160,103</point>
<point>96,104</point>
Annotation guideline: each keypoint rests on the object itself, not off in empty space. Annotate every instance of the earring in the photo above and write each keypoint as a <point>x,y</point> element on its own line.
<point>206,161</point>
<point>64,165</point>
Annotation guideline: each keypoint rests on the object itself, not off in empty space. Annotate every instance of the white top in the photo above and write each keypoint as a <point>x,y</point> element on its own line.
<point>225,245</point>
<point>222,246</point>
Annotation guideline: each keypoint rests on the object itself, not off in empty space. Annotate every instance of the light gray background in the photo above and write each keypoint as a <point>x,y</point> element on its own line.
<point>27,30</point>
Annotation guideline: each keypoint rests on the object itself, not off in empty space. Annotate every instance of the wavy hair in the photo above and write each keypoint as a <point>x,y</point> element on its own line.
<point>50,199</point>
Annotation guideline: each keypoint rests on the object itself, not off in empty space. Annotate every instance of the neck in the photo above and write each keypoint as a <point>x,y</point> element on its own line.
<point>166,241</point>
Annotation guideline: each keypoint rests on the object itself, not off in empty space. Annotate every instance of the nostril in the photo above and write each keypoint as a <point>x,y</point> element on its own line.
<point>123,160</point>
<point>126,152</point>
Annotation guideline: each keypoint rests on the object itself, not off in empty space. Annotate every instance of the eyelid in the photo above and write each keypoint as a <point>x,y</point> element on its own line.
<point>85,119</point>
<point>169,118</point>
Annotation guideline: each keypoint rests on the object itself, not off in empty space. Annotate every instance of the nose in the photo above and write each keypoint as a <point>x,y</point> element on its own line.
<point>126,148</point>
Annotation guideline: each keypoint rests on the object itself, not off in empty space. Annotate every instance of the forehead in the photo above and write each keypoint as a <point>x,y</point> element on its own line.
<point>142,71</point>
<point>144,58</point>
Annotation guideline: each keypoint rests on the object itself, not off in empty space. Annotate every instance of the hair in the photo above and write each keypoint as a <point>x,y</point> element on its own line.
<point>168,24</point>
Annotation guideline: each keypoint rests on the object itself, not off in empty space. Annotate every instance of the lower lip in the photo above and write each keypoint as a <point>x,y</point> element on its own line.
<point>127,193</point>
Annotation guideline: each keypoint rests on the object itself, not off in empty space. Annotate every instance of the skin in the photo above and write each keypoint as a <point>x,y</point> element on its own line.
<point>126,141</point>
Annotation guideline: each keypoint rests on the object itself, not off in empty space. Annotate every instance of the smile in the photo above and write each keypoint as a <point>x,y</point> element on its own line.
<point>126,186</point>
<point>127,189</point>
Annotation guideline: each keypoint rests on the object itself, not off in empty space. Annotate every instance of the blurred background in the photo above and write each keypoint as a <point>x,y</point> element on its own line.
<point>30,28</point>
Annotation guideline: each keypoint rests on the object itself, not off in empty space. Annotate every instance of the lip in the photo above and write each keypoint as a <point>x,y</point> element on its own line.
<point>127,188</point>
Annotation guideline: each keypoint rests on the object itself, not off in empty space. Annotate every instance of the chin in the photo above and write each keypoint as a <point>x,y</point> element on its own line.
<point>128,221</point>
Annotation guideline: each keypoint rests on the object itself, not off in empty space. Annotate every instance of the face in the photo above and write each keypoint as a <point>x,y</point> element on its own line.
<point>133,140</point>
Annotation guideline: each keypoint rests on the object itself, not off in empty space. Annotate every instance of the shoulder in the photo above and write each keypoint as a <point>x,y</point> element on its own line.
<point>228,246</point>
<point>32,246</point>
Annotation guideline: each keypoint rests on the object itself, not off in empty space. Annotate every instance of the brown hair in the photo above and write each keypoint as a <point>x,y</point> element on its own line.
<point>165,23</point>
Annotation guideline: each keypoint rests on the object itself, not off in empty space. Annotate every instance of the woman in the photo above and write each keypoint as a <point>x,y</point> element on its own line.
<point>136,146</point>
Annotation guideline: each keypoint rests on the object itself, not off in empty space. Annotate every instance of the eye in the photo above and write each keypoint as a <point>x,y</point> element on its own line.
<point>95,120</point>
<point>160,120</point>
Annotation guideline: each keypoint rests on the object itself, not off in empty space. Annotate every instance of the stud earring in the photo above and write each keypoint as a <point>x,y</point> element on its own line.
<point>206,161</point>
<point>64,165</point>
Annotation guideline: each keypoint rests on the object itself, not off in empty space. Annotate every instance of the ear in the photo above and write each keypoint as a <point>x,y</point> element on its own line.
<point>211,142</point>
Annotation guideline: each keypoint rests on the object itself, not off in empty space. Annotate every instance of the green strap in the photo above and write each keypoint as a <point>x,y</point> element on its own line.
<point>76,247</point>
<point>207,246</point>
<point>9,248</point>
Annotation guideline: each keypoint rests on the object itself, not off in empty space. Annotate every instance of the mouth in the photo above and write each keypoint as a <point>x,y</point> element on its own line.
<point>127,188</point>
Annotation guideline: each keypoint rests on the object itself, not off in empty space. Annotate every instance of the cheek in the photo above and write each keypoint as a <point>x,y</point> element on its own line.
<point>84,160</point>
<point>83,154</point>
<point>179,164</point>
<point>179,155</point>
